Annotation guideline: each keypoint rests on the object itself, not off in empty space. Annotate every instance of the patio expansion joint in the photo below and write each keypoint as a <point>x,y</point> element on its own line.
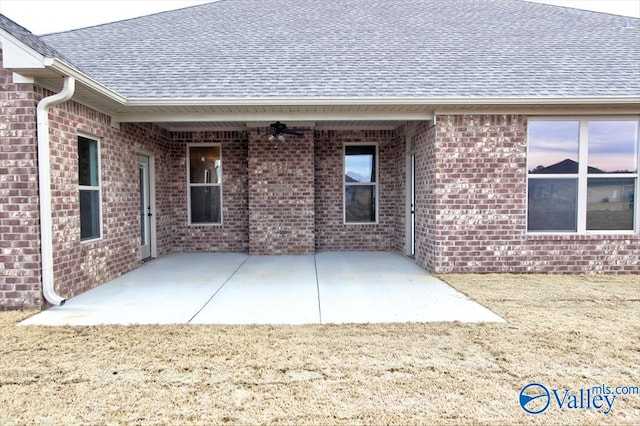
<point>218,290</point>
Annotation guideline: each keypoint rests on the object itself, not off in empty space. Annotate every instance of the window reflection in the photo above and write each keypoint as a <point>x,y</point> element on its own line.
<point>359,163</point>
<point>610,204</point>
<point>613,146</point>
<point>360,185</point>
<point>205,179</point>
<point>360,203</point>
<point>205,165</point>
<point>553,147</point>
<point>553,204</point>
<point>608,147</point>
<point>87,162</point>
<point>205,204</point>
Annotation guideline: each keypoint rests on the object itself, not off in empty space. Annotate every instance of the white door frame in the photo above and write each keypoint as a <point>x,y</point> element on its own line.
<point>410,235</point>
<point>151,227</point>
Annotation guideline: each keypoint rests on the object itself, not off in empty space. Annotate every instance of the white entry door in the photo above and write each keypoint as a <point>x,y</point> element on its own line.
<point>410,242</point>
<point>145,207</point>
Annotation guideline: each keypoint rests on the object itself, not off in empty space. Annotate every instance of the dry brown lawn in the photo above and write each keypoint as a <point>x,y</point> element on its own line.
<point>564,332</point>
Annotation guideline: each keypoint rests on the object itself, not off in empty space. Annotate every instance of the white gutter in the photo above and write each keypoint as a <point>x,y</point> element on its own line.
<point>44,181</point>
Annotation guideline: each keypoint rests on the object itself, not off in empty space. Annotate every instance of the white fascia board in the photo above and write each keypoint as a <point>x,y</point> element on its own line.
<point>598,100</point>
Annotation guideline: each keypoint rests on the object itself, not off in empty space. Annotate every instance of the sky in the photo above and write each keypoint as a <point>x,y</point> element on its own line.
<point>47,16</point>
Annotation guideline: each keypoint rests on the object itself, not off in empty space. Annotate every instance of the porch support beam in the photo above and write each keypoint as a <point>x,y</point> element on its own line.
<point>167,117</point>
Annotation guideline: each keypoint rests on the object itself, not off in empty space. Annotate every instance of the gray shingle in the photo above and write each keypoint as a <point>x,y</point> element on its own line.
<point>29,39</point>
<point>362,48</point>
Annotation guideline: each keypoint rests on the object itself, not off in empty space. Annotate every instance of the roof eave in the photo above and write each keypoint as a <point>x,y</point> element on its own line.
<point>67,70</point>
<point>308,101</point>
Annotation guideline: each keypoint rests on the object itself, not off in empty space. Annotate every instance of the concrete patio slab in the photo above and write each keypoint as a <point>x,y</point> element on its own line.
<point>267,291</point>
<point>382,287</point>
<point>170,290</point>
<point>232,288</point>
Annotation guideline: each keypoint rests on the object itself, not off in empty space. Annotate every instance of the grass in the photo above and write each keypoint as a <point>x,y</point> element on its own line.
<point>562,331</point>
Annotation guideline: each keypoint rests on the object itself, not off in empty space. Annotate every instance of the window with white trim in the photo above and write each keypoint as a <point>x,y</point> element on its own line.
<point>583,175</point>
<point>204,177</point>
<point>89,188</point>
<point>360,183</point>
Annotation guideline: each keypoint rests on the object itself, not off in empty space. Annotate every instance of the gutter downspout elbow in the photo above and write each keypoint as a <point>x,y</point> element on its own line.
<point>44,183</point>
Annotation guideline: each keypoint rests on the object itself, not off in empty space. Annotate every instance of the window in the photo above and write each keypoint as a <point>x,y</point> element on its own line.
<point>583,175</point>
<point>205,184</point>
<point>360,183</point>
<point>89,187</point>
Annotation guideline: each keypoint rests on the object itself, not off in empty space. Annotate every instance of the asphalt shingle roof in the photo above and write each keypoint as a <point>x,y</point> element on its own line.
<point>29,39</point>
<point>362,48</point>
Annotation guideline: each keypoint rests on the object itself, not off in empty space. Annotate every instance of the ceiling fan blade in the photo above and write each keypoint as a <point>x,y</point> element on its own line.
<point>294,132</point>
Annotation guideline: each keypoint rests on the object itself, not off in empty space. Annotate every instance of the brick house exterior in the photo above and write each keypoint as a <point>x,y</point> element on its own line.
<point>282,197</point>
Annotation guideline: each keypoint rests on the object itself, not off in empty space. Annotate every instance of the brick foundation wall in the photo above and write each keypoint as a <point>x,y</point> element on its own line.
<point>331,232</point>
<point>480,222</point>
<point>233,234</point>
<point>19,202</point>
<point>281,188</point>
<point>577,254</point>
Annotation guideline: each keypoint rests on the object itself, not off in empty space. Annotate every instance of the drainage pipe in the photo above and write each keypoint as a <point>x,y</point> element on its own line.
<point>44,182</point>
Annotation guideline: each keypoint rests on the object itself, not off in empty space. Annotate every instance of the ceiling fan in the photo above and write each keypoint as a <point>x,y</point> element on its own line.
<point>278,130</point>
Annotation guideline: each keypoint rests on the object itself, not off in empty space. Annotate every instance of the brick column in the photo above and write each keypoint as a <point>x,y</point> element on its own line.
<point>20,274</point>
<point>281,194</point>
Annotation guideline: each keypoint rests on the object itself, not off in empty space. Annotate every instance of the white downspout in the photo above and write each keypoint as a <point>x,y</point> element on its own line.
<point>44,181</point>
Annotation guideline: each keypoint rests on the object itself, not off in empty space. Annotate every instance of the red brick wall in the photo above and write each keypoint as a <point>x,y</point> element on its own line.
<point>480,223</point>
<point>233,234</point>
<point>576,254</point>
<point>331,232</point>
<point>398,195</point>
<point>79,266</point>
<point>19,202</point>
<point>281,187</point>
<point>425,208</point>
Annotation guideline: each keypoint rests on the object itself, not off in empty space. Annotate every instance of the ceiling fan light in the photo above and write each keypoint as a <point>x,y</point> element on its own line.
<point>271,138</point>
<point>281,138</point>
